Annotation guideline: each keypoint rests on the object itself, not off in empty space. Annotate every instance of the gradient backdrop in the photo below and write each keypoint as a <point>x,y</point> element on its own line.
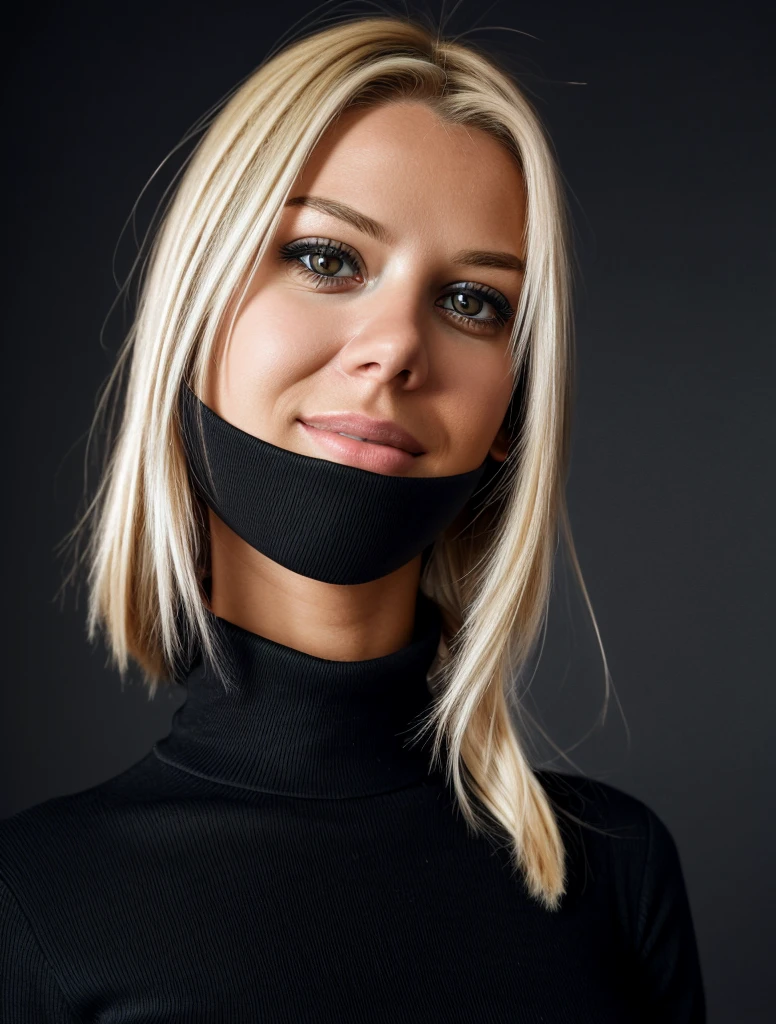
<point>667,153</point>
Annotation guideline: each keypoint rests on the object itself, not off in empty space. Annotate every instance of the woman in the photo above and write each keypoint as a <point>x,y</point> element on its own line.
<point>330,513</point>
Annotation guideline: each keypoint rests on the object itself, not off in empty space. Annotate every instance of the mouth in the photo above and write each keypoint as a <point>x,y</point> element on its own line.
<point>364,440</point>
<point>354,450</point>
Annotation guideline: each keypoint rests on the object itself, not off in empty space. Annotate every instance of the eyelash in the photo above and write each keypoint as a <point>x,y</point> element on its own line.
<point>293,251</point>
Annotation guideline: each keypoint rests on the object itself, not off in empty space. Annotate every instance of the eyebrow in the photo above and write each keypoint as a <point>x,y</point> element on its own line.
<point>360,221</point>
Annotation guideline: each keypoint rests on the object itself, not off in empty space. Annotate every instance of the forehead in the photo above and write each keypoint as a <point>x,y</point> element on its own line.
<point>419,175</point>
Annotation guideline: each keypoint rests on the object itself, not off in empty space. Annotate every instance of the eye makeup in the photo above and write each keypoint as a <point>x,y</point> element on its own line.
<point>295,252</point>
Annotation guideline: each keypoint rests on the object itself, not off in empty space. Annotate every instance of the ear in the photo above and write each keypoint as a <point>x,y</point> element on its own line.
<point>500,447</point>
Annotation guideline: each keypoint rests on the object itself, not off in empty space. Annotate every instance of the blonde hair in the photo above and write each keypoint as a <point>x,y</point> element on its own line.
<point>490,573</point>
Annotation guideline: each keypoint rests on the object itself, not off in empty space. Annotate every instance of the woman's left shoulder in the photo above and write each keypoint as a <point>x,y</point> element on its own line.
<point>605,807</point>
<point>624,840</point>
<point>621,840</point>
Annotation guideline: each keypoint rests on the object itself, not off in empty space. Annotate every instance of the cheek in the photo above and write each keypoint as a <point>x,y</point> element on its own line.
<point>275,343</point>
<point>478,401</point>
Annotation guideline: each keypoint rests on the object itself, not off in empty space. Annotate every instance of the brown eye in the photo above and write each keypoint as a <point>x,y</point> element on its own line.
<point>467,305</point>
<point>322,263</point>
<point>467,302</point>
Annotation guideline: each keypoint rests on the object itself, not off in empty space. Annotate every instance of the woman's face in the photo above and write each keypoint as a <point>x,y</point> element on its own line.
<point>387,292</point>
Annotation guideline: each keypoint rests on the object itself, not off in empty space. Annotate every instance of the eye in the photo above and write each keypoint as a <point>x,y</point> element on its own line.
<point>468,300</point>
<point>328,260</point>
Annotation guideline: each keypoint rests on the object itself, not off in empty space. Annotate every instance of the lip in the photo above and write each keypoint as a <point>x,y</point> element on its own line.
<point>379,431</point>
<point>377,458</point>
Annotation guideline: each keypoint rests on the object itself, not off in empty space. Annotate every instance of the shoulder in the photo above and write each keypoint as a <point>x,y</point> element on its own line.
<point>610,816</point>
<point>67,855</point>
<point>34,823</point>
<point>45,862</point>
<point>52,831</point>
<point>626,840</point>
<point>644,882</point>
<point>604,809</point>
<point>64,839</point>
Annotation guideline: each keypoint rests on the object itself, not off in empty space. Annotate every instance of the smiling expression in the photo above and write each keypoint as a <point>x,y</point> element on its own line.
<point>388,290</point>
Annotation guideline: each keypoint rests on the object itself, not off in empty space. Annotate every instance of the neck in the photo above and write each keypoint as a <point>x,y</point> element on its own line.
<point>297,725</point>
<point>325,620</point>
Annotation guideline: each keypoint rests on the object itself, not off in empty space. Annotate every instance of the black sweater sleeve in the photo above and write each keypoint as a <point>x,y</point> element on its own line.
<point>665,936</point>
<point>29,992</point>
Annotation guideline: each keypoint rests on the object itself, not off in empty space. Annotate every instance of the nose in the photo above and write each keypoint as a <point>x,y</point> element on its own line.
<point>388,344</point>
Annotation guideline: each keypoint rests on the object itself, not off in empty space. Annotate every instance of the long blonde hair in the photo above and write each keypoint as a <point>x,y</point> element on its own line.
<point>489,573</point>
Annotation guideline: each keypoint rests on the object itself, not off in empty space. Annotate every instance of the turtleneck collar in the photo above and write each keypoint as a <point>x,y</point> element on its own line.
<point>298,725</point>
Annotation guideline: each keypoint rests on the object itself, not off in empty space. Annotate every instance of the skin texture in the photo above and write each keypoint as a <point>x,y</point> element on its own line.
<point>376,342</point>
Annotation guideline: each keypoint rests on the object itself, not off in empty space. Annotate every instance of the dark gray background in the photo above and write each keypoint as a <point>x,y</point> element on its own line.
<point>667,154</point>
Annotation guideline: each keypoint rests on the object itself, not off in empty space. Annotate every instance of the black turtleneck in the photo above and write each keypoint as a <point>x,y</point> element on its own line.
<point>304,726</point>
<point>285,855</point>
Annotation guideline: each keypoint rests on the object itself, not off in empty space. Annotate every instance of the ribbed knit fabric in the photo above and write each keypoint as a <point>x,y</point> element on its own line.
<point>283,855</point>
<point>318,517</point>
